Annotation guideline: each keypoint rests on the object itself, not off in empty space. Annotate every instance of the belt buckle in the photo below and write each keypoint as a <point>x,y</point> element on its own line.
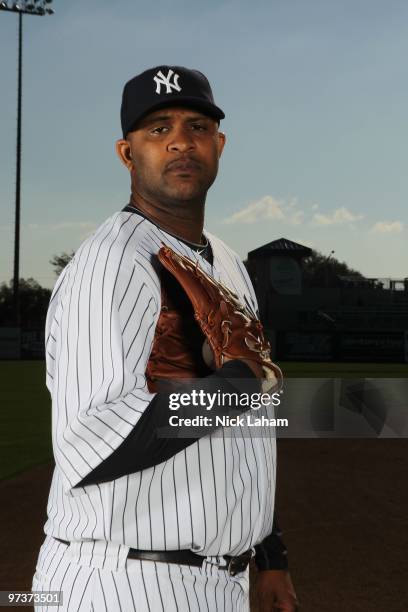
<point>239,564</point>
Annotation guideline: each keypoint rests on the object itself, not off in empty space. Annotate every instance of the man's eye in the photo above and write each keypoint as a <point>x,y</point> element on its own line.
<point>199,127</point>
<point>158,130</point>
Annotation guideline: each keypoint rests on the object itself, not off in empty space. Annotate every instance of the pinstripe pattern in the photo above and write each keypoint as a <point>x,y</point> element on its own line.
<point>215,497</point>
<point>135,586</point>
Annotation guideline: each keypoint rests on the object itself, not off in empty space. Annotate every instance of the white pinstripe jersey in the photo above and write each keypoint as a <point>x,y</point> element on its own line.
<point>217,495</point>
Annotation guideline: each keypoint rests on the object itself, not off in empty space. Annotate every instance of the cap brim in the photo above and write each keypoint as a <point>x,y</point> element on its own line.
<point>207,108</point>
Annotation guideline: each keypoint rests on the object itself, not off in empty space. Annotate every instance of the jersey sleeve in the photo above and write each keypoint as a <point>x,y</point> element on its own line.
<point>100,329</point>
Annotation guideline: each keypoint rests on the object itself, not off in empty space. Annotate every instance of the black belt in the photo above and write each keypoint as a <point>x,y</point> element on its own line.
<point>233,565</point>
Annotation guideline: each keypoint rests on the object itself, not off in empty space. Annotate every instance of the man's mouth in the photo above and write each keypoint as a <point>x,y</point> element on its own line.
<point>183,166</point>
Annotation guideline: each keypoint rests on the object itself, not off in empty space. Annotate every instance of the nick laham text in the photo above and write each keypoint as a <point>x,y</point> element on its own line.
<point>242,420</point>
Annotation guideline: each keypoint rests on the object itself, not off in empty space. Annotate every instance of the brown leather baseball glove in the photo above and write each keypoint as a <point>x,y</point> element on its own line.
<point>231,329</point>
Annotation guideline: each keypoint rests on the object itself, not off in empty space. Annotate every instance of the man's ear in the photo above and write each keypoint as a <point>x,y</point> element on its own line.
<point>221,143</point>
<point>124,152</point>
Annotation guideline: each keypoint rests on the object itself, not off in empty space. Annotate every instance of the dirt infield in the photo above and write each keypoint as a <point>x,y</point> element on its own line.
<point>343,505</point>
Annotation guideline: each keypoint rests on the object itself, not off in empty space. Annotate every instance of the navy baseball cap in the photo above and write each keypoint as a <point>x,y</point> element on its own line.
<point>163,86</point>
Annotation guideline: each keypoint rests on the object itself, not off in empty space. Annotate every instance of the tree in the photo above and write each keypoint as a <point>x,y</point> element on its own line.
<point>60,261</point>
<point>34,301</point>
<point>322,271</point>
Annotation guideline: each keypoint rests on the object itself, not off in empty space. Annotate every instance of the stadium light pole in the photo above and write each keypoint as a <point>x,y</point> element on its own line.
<point>25,7</point>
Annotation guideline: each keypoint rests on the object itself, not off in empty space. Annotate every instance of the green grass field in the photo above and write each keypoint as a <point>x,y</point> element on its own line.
<point>25,410</point>
<point>25,432</point>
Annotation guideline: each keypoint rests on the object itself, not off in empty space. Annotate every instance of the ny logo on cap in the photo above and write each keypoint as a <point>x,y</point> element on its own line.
<point>162,80</point>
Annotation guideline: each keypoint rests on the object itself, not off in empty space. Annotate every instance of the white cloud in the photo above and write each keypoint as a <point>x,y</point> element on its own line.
<point>339,217</point>
<point>267,208</point>
<point>387,227</point>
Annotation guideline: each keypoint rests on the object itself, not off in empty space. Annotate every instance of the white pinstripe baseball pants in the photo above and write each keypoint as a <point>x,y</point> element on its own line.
<point>107,581</point>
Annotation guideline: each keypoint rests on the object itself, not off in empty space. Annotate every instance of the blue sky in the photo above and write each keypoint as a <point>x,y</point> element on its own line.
<point>315,97</point>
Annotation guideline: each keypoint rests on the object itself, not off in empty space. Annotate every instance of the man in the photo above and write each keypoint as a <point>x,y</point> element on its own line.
<point>139,521</point>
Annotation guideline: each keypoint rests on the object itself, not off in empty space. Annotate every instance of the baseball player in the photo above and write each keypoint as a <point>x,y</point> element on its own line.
<point>139,521</point>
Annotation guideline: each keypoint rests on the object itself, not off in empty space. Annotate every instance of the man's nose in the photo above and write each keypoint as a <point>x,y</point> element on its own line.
<point>181,141</point>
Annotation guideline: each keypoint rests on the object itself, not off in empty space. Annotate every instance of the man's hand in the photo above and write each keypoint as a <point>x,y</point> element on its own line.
<point>276,592</point>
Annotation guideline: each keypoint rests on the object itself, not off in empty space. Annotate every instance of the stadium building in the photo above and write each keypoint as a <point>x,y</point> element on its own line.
<point>342,318</point>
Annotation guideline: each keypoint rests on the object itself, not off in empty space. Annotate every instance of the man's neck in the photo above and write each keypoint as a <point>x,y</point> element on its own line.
<point>184,222</point>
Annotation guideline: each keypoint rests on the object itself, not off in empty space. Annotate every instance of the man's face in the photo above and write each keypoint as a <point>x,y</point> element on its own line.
<point>175,155</point>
